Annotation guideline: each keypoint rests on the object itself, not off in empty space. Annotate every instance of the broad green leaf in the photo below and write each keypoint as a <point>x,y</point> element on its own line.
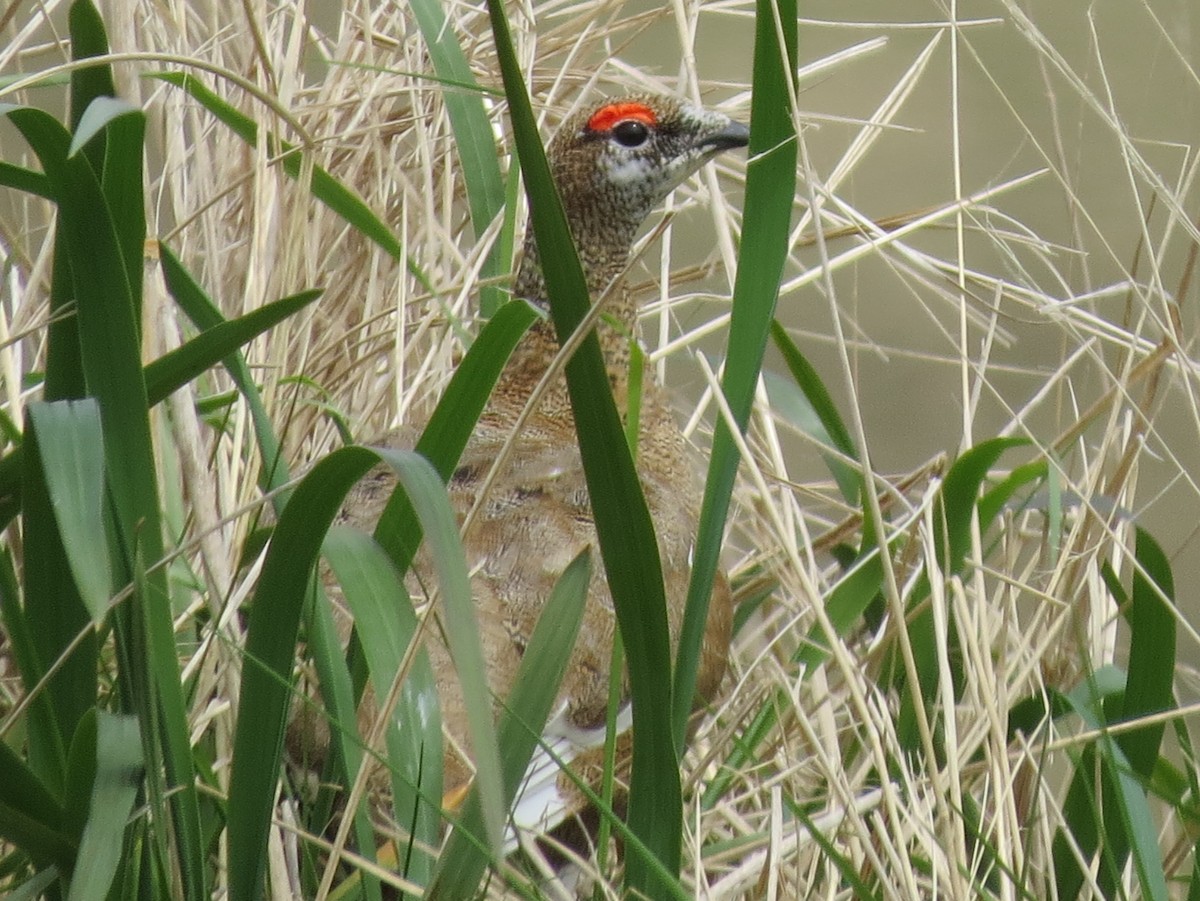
<point>100,113</point>
<point>109,351</point>
<point>425,490</point>
<point>23,179</point>
<point>118,779</point>
<point>88,39</point>
<point>36,887</point>
<point>271,640</point>
<point>267,671</point>
<point>46,747</point>
<point>386,624</point>
<point>72,450</point>
<point>55,617</point>
<point>64,370</point>
<point>122,181</point>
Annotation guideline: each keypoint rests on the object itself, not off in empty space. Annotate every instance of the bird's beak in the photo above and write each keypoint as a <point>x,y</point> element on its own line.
<point>735,134</point>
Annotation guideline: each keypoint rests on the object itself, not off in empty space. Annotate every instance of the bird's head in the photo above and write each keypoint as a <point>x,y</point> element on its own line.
<point>617,159</point>
<point>620,158</point>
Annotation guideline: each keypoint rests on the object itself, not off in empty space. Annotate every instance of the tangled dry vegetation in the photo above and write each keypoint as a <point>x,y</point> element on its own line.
<point>1039,294</point>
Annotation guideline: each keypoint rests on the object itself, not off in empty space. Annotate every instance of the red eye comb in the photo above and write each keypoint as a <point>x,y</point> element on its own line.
<point>608,116</point>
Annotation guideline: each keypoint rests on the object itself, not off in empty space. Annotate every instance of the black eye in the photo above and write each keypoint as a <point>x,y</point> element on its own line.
<point>631,133</point>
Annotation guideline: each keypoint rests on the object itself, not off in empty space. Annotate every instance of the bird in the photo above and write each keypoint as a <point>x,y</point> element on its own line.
<point>613,162</point>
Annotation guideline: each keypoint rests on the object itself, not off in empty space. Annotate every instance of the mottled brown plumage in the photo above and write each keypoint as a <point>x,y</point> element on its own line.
<point>612,163</point>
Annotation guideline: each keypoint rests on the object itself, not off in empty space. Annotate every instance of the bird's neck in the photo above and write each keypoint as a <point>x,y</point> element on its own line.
<point>603,244</point>
<point>603,252</point>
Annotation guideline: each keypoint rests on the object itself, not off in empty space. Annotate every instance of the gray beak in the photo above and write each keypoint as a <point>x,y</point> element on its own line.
<point>733,135</point>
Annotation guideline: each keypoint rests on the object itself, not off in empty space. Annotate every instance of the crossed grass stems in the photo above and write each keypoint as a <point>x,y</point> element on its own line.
<point>1033,612</point>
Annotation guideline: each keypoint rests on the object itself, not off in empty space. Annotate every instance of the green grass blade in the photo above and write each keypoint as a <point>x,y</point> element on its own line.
<point>112,367</point>
<point>957,507</point>
<point>324,648</point>
<point>22,179</point>
<point>464,859</point>
<point>453,420</point>
<point>327,189</point>
<point>55,615</point>
<point>1002,493</point>
<point>64,372</point>
<point>423,485</point>
<point>1139,826</point>
<point>473,137</point>
<point>205,314</point>
<point>845,605</point>
<point>267,672</point>
<point>30,816</point>
<point>176,368</point>
<point>64,369</point>
<point>449,428</point>
<point>122,183</point>
<point>627,541</point>
<point>833,431</point>
<point>71,445</point>
<point>110,355</point>
<point>1130,759</point>
<point>789,401</point>
<point>1149,688</point>
<point>46,747</point>
<point>834,854</point>
<point>809,381</point>
<point>960,498</point>
<point>88,39</point>
<point>1120,823</point>
<point>770,190</point>
<point>118,778</point>
<point>274,625</point>
<point>386,624</point>
<point>219,342</point>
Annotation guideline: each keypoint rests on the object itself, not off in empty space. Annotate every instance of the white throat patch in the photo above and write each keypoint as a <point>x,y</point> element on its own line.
<point>633,171</point>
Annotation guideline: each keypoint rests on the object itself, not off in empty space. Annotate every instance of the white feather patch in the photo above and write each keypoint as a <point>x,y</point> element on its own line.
<point>630,171</point>
<point>540,805</point>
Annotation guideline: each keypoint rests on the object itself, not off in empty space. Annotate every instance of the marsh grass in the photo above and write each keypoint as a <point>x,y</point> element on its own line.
<point>956,679</point>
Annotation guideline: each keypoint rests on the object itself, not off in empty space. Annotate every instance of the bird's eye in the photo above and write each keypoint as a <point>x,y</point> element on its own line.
<point>631,133</point>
